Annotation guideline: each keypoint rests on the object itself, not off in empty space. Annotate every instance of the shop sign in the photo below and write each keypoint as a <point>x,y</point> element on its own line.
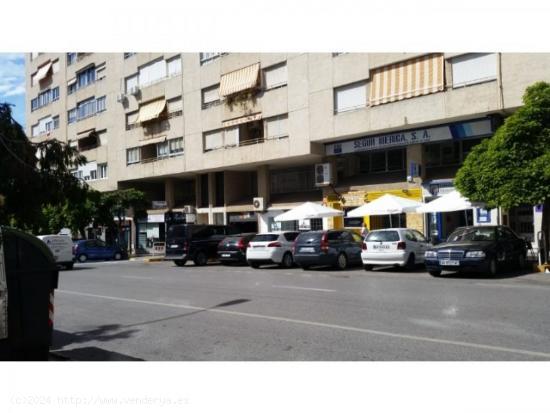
<point>457,131</point>
<point>159,204</point>
<point>155,218</point>
<point>483,216</point>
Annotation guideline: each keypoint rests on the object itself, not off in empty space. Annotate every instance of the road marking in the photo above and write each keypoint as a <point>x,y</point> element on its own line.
<point>536,287</point>
<point>319,324</point>
<point>303,288</point>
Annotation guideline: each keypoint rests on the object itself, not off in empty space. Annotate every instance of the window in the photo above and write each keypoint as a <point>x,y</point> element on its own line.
<point>44,125</point>
<point>131,120</point>
<point>86,108</point>
<point>45,98</point>
<point>292,180</point>
<point>213,140</point>
<point>131,83</point>
<point>174,66</point>
<point>152,72</point>
<point>100,72</point>
<point>132,155</point>
<point>206,57</point>
<point>176,146</point>
<point>350,97</point>
<point>102,170</point>
<point>442,154</point>
<point>101,104</point>
<point>275,76</point>
<point>474,68</point>
<point>35,130</point>
<point>71,116</point>
<point>210,96</point>
<point>276,127</point>
<point>231,136</point>
<point>174,107</point>
<point>71,58</point>
<point>85,77</point>
<point>71,86</point>
<point>93,175</point>
<point>162,149</point>
<point>467,146</point>
<point>382,161</point>
<point>55,93</point>
<point>55,120</point>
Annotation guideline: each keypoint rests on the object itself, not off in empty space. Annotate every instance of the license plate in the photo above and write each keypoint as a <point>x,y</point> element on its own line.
<point>174,246</point>
<point>381,247</point>
<point>226,255</point>
<point>307,249</point>
<point>449,262</point>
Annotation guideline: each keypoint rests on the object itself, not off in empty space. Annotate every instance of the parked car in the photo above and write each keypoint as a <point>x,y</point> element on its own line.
<point>271,248</point>
<point>485,249</point>
<point>402,247</point>
<point>232,249</point>
<point>338,248</point>
<point>195,242</point>
<point>61,247</point>
<point>95,249</point>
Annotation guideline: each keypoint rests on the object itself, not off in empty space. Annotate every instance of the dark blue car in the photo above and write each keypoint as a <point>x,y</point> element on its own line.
<point>94,249</point>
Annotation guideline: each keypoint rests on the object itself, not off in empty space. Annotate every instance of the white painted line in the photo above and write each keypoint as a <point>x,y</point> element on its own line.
<point>323,325</point>
<point>535,287</point>
<point>292,287</point>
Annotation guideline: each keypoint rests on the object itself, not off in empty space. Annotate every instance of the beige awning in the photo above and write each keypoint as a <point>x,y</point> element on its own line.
<point>239,80</point>
<point>243,119</point>
<point>71,82</point>
<point>43,71</point>
<point>152,141</point>
<point>414,77</point>
<point>79,135</point>
<point>151,110</point>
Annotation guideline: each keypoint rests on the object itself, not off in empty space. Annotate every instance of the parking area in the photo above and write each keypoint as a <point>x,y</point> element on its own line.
<point>134,310</point>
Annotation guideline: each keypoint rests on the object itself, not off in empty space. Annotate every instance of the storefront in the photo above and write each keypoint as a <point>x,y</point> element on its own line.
<point>150,231</point>
<point>244,221</point>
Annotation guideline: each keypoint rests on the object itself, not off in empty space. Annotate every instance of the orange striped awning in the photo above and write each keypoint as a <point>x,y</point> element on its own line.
<point>239,80</point>
<point>415,77</point>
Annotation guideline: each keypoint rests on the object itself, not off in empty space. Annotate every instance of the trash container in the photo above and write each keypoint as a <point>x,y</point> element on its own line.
<point>28,277</point>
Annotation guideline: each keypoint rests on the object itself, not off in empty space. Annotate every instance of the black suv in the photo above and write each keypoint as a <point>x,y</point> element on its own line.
<point>485,249</point>
<point>338,248</point>
<point>198,243</point>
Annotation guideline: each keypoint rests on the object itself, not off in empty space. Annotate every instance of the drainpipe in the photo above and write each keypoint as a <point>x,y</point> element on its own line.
<point>499,82</point>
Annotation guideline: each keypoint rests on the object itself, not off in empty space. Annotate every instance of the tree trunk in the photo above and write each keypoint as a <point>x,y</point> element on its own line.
<point>545,227</point>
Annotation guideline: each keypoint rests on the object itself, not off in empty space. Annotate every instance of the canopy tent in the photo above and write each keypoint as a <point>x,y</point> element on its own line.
<point>453,201</point>
<point>386,205</point>
<point>308,210</point>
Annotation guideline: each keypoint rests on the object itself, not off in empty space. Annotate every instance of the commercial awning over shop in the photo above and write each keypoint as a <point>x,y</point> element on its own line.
<point>151,110</point>
<point>239,80</point>
<point>308,210</point>
<point>415,77</point>
<point>386,205</point>
<point>152,141</point>
<point>241,120</point>
<point>453,201</point>
<point>43,71</point>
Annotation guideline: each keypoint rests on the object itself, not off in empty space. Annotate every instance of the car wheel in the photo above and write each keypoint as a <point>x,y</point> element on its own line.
<point>180,263</point>
<point>118,256</point>
<point>82,258</point>
<point>69,266</point>
<point>200,258</point>
<point>368,267</point>
<point>254,265</point>
<point>410,262</point>
<point>287,261</point>
<point>342,261</point>
<point>493,269</point>
<point>521,261</point>
<point>435,273</point>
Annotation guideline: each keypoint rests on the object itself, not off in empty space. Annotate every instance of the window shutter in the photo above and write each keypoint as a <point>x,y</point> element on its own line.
<point>474,68</point>
<point>276,76</point>
<point>213,140</point>
<point>351,97</point>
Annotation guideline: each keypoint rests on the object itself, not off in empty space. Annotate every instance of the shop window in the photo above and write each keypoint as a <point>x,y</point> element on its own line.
<point>292,180</point>
<point>382,161</point>
<point>378,162</point>
<point>316,224</point>
<point>204,191</point>
<point>467,146</point>
<point>220,198</point>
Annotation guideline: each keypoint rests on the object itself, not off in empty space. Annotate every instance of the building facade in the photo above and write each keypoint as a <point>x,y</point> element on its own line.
<point>237,138</point>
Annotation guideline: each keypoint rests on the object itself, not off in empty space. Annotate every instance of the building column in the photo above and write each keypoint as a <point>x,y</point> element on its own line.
<point>169,192</point>
<point>211,196</point>
<point>263,183</point>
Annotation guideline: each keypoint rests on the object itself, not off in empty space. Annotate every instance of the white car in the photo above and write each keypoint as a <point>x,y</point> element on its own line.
<point>61,247</point>
<point>403,247</point>
<point>271,248</point>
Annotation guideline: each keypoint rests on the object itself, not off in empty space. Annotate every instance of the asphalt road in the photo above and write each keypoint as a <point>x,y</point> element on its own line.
<point>134,310</point>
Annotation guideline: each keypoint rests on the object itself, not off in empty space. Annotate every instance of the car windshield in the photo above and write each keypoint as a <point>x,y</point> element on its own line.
<point>265,237</point>
<point>473,234</point>
<point>382,236</point>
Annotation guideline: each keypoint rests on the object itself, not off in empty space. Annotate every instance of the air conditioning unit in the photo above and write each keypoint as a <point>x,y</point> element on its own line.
<point>258,204</point>
<point>121,98</point>
<point>189,209</point>
<point>323,174</point>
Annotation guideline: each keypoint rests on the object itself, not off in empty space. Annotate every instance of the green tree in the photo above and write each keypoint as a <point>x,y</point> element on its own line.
<point>34,175</point>
<point>513,167</point>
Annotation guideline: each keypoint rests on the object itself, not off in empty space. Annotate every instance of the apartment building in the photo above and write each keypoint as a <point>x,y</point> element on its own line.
<point>238,138</point>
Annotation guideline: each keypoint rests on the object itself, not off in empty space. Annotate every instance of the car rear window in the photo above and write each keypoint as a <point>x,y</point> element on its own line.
<point>383,236</point>
<point>309,237</point>
<point>265,237</point>
<point>232,240</point>
<point>291,236</point>
<point>177,231</point>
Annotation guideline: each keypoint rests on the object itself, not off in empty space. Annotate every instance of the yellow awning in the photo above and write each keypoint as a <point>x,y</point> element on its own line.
<point>152,141</point>
<point>151,110</point>
<point>239,80</point>
<point>243,119</point>
<point>43,71</point>
<point>414,77</point>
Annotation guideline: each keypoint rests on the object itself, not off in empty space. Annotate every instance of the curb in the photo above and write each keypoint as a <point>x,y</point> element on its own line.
<point>154,259</point>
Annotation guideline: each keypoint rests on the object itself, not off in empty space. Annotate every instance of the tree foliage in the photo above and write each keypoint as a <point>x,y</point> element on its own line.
<point>513,167</point>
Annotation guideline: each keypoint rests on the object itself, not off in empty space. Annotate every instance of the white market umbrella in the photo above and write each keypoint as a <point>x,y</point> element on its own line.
<point>453,201</point>
<point>386,205</point>
<point>308,210</point>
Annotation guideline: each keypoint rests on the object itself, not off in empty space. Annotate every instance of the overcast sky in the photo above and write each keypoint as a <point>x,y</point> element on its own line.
<point>12,83</point>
